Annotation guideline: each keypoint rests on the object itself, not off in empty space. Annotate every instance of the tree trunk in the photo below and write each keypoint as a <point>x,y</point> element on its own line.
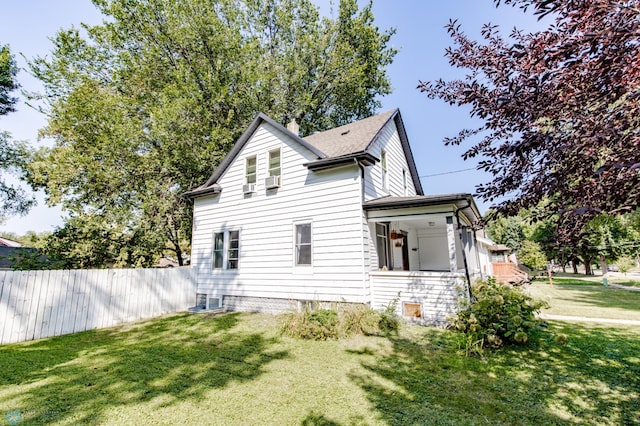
<point>179,255</point>
<point>603,265</point>
<point>574,264</point>
<point>587,266</point>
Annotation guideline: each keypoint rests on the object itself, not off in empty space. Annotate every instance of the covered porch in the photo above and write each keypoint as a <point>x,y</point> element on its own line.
<point>424,253</point>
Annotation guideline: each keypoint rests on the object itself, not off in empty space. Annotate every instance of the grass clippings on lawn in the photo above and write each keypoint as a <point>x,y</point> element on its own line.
<point>236,369</point>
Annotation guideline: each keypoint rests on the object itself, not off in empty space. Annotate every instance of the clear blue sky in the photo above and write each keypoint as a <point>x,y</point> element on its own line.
<point>420,36</point>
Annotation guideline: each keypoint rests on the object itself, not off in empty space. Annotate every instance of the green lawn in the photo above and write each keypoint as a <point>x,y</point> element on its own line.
<point>580,297</point>
<point>589,280</point>
<point>237,369</point>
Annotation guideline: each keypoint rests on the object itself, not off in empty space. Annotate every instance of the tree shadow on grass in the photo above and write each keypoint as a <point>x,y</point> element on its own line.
<point>79,377</point>
<point>315,419</point>
<point>593,379</point>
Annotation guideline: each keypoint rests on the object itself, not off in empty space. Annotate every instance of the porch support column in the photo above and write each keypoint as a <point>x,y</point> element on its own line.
<point>451,245</point>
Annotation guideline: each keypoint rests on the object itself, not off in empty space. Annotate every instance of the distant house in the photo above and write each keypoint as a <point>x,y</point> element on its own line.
<point>8,243</point>
<point>338,216</point>
<point>8,251</point>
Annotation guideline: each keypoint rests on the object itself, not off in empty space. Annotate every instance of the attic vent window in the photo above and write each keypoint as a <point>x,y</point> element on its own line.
<point>345,132</point>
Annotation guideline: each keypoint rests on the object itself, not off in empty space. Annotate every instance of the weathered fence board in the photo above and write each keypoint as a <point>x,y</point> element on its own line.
<point>38,304</point>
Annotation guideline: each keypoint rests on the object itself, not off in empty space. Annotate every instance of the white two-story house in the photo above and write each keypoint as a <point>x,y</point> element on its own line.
<point>337,216</point>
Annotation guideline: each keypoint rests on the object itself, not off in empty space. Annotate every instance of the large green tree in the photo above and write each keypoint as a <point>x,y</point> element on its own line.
<point>145,105</point>
<point>560,109</point>
<point>13,198</point>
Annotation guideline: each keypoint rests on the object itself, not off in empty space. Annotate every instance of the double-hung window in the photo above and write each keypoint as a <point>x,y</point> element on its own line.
<point>385,174</point>
<point>218,250</point>
<point>303,244</point>
<point>234,250</point>
<point>226,243</point>
<point>251,170</point>
<point>274,162</point>
<point>382,245</point>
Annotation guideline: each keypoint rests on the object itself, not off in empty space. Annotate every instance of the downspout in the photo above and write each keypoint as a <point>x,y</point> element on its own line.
<point>364,241</point>
<point>464,254</point>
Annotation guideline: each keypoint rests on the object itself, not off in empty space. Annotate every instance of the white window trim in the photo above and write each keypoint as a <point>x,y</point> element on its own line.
<point>215,295</point>
<point>304,269</point>
<point>229,249</point>
<point>279,149</point>
<point>213,250</point>
<point>246,164</point>
<point>387,246</point>
<point>226,245</point>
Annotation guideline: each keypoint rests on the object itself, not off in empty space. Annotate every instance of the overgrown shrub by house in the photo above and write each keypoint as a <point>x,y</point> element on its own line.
<point>500,314</point>
<point>342,321</point>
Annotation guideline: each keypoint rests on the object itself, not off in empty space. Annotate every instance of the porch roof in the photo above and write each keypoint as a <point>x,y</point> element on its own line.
<point>464,202</point>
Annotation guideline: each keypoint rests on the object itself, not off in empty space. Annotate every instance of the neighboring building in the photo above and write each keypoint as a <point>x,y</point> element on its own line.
<point>338,216</point>
<point>9,243</point>
<point>9,250</point>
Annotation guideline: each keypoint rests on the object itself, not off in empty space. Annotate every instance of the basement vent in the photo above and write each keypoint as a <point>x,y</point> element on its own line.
<point>413,310</point>
<point>201,300</point>
<point>214,302</point>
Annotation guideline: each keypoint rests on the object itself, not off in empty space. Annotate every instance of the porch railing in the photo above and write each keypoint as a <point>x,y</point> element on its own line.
<point>509,273</point>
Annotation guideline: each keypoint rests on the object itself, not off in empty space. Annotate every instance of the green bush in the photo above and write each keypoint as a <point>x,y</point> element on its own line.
<point>500,314</point>
<point>389,320</point>
<point>625,264</point>
<point>345,320</point>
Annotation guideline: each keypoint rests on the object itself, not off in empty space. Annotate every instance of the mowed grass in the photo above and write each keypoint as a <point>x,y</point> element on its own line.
<point>586,298</point>
<point>590,280</point>
<point>236,369</point>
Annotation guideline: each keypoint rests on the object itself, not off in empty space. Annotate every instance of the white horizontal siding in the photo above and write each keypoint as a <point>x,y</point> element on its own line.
<point>389,141</point>
<point>330,200</point>
<point>438,293</point>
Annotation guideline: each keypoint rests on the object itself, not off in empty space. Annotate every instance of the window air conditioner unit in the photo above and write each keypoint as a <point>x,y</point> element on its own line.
<point>249,188</point>
<point>272,182</point>
<point>213,302</point>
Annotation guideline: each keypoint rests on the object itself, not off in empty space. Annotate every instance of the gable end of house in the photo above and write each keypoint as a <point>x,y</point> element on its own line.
<point>211,186</point>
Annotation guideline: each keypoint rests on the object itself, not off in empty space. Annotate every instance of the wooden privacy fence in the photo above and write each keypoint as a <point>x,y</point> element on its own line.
<point>38,304</point>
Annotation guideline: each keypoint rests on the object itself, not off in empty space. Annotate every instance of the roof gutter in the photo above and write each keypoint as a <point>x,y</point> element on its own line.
<point>200,192</point>
<point>363,158</point>
<point>418,202</point>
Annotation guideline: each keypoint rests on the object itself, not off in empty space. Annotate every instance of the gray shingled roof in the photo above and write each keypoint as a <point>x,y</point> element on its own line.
<point>350,138</point>
<point>332,147</point>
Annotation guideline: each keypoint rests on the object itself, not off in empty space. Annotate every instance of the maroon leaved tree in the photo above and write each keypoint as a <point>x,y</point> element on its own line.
<point>561,108</point>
